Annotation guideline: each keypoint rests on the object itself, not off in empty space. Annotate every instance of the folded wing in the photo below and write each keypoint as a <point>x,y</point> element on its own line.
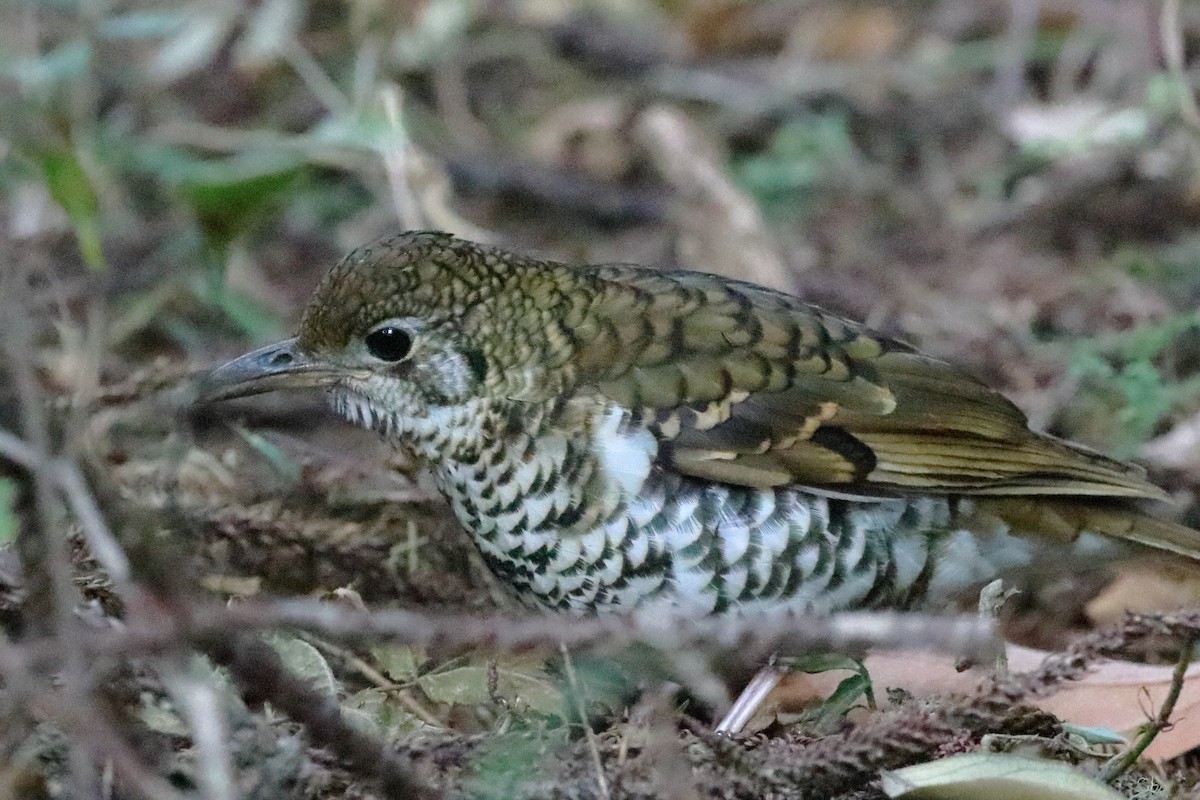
<point>748,386</point>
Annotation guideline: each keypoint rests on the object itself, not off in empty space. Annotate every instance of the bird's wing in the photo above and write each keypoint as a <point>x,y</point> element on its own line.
<point>748,386</point>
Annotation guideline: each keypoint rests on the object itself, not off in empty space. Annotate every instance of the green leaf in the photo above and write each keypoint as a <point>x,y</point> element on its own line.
<point>369,129</point>
<point>1166,94</point>
<point>439,25</point>
<point>823,662</point>
<point>68,183</point>
<point>143,25</point>
<point>279,460</point>
<point>269,32</point>
<point>229,194</point>
<point>503,762</point>
<point>196,43</point>
<point>1093,734</point>
<point>251,317</point>
<point>160,716</point>
<point>521,688</point>
<point>993,776</point>
<point>306,662</point>
<point>377,712</point>
<point>1129,375</point>
<point>399,662</point>
<point>802,156</point>
<point>10,523</point>
<point>851,692</point>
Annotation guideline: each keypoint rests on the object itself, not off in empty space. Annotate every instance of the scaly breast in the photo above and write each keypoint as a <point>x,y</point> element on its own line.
<point>586,521</point>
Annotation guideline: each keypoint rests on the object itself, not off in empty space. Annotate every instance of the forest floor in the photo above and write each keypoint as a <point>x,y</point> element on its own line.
<point>196,601</point>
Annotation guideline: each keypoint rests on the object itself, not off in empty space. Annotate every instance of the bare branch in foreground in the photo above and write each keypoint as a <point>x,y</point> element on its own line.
<point>750,639</point>
<point>67,478</point>
<point>261,674</point>
<point>747,641</point>
<point>200,702</point>
<point>44,547</point>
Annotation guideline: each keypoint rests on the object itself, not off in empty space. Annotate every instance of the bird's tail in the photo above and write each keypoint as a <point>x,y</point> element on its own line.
<point>1064,519</point>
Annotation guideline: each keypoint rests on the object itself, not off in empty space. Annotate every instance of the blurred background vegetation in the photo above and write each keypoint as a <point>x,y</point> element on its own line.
<point>1014,186</point>
<point>188,170</point>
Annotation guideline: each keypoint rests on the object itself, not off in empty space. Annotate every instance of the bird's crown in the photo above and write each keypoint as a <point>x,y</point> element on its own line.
<point>421,274</point>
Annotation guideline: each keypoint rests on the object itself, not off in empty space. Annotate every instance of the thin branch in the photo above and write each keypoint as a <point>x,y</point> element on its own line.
<point>103,545</point>
<point>395,153</point>
<point>108,744</point>
<point>581,710</point>
<point>749,639</point>
<point>45,549</point>
<point>747,642</point>
<point>201,704</point>
<point>15,449</point>
<point>69,480</point>
<point>261,675</point>
<point>1119,764</point>
<point>381,681</point>
<point>315,78</point>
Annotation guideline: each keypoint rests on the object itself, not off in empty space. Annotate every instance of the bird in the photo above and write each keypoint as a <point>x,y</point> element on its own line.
<point>615,436</point>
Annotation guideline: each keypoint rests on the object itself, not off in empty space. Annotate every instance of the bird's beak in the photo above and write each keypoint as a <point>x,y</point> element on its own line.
<point>276,366</point>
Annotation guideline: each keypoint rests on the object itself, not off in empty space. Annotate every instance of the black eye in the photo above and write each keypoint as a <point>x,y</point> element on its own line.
<point>388,343</point>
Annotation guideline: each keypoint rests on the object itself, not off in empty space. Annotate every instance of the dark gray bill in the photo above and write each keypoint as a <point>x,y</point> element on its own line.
<point>276,366</point>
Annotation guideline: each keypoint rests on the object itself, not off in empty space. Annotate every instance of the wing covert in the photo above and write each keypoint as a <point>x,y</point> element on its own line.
<point>748,386</point>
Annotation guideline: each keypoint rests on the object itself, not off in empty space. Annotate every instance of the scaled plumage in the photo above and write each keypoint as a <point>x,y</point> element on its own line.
<point>614,435</point>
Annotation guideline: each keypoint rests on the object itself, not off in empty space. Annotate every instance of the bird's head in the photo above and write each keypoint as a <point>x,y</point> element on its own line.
<point>413,331</point>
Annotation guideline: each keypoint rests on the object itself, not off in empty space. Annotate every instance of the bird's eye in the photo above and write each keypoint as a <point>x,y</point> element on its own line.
<point>389,343</point>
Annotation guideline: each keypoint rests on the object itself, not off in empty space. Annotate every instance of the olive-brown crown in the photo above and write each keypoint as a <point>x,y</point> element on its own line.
<point>423,274</point>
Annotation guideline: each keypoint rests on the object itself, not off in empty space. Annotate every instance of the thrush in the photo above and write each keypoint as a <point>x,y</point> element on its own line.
<point>612,435</point>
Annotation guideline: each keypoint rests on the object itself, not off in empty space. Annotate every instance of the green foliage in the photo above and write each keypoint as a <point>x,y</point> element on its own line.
<point>229,199</point>
<point>852,692</point>
<point>994,776</point>
<point>1132,367</point>
<point>184,187</point>
<point>507,760</point>
<point>518,684</point>
<point>802,156</point>
<point>1094,735</point>
<point>377,713</point>
<point>401,663</point>
<point>10,524</point>
<point>68,183</point>
<point>986,54</point>
<point>41,76</point>
<point>284,465</point>
<point>232,195</point>
<point>45,137</point>
<point>1174,266</point>
<point>1166,94</point>
<point>305,661</point>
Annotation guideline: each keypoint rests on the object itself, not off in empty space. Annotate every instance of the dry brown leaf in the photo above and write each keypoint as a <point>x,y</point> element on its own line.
<point>859,33</point>
<point>1150,587</point>
<point>1117,695</point>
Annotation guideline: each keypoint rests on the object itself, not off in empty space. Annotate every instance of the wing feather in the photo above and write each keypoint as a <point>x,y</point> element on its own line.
<point>748,386</point>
